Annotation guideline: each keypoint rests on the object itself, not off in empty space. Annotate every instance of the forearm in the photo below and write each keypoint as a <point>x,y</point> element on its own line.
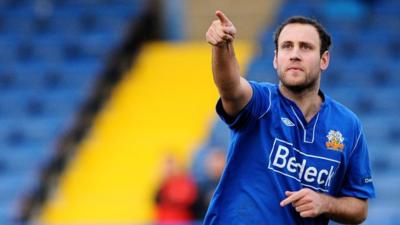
<point>234,90</point>
<point>225,69</point>
<point>347,210</point>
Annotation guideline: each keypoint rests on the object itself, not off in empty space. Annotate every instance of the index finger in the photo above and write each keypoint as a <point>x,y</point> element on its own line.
<point>292,198</point>
<point>224,19</point>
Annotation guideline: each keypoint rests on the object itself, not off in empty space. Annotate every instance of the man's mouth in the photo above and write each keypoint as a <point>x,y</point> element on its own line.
<point>295,68</point>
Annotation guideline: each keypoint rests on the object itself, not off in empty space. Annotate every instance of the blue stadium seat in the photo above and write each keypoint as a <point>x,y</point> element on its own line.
<point>51,54</point>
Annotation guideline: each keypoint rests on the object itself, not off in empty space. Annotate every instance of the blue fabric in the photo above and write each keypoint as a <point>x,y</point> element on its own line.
<point>274,150</point>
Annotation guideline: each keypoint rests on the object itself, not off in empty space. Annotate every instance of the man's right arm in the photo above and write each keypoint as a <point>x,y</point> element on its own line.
<point>234,90</point>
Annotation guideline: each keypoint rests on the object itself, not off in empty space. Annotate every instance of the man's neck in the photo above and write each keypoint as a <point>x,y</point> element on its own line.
<point>309,101</point>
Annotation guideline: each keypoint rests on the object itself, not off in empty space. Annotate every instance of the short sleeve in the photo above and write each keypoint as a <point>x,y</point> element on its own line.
<point>258,105</point>
<point>358,180</point>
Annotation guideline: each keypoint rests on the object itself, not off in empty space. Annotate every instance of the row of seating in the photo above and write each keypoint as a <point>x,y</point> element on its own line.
<point>57,48</point>
<point>76,18</point>
<point>51,54</point>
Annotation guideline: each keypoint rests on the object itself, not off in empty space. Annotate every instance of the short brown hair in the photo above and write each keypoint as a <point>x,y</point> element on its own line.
<point>324,37</point>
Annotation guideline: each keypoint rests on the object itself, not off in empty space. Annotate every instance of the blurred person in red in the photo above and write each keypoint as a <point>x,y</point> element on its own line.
<point>176,195</point>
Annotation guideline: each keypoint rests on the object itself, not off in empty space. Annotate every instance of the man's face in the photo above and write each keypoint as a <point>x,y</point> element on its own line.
<point>297,58</point>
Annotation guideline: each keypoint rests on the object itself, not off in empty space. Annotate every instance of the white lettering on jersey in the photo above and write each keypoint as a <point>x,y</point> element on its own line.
<point>310,170</point>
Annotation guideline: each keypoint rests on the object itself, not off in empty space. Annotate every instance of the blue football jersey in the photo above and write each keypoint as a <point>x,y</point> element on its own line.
<point>274,149</point>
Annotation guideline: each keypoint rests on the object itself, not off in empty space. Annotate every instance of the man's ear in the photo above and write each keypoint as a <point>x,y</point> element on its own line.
<point>274,61</point>
<point>325,60</point>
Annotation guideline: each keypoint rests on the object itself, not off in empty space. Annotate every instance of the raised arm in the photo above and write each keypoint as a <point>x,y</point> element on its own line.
<point>234,90</point>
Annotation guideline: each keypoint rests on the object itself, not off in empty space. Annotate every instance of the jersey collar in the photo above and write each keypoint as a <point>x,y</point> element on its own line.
<point>298,113</point>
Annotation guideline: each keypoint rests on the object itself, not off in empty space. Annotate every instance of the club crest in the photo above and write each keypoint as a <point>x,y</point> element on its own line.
<point>335,141</point>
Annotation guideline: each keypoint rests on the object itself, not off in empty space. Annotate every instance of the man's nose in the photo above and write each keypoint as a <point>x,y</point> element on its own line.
<point>295,55</point>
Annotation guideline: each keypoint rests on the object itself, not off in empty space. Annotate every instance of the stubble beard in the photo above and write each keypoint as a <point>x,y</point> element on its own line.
<point>307,85</point>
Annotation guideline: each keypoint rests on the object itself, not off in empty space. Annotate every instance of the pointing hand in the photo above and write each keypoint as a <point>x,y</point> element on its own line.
<point>221,31</point>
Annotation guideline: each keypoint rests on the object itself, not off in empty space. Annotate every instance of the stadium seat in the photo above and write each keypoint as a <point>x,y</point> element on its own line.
<point>51,54</point>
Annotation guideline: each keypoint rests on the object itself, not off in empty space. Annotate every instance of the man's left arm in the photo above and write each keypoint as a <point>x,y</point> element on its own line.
<point>310,204</point>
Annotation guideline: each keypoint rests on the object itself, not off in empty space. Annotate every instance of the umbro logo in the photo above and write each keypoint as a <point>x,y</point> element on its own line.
<point>287,122</point>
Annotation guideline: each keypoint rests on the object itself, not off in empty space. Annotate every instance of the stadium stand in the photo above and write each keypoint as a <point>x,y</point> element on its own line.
<point>52,54</point>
